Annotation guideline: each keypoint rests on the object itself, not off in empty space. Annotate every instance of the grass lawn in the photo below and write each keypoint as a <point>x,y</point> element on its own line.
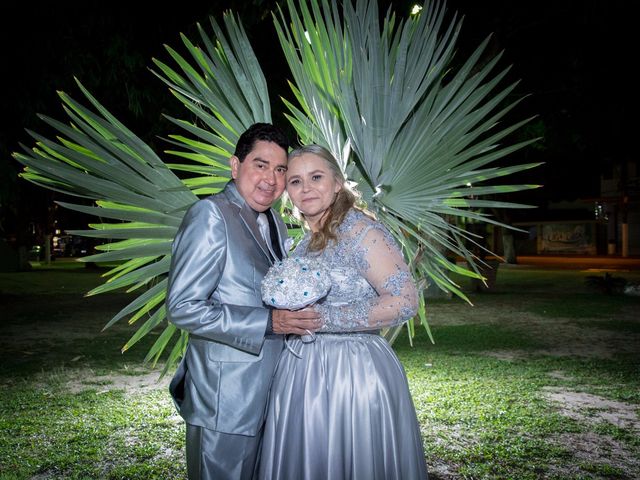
<point>539,379</point>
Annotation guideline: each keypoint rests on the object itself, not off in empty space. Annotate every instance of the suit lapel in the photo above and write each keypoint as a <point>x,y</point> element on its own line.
<point>249,219</point>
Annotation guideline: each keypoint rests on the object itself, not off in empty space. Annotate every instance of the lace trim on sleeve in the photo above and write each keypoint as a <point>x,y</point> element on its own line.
<point>378,259</point>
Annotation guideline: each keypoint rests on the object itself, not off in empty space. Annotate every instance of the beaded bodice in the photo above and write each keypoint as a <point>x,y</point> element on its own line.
<point>371,286</point>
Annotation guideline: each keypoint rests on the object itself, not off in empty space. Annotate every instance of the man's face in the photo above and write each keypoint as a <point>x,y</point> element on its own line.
<point>260,177</point>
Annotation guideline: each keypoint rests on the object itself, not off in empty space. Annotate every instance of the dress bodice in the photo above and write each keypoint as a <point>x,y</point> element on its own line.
<point>371,286</point>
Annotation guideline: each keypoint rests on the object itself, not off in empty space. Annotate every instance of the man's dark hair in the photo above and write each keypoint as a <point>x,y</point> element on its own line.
<point>260,131</point>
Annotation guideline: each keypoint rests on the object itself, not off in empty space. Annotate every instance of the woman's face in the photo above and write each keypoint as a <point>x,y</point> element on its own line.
<point>312,186</point>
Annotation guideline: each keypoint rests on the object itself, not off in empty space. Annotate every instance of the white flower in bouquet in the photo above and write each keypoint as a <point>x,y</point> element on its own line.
<point>295,282</point>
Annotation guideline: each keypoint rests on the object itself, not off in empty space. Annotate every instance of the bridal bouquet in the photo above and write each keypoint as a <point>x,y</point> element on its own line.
<point>295,282</point>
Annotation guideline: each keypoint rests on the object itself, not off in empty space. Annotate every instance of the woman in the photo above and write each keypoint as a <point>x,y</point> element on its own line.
<point>340,406</point>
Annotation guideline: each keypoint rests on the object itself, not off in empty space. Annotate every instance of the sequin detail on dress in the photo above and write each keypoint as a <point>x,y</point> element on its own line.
<point>371,287</point>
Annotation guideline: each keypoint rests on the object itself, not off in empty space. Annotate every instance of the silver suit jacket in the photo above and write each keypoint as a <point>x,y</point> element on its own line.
<point>218,262</point>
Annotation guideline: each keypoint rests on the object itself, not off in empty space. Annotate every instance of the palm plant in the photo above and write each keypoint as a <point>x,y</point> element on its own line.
<point>411,133</point>
<point>98,158</point>
<point>419,134</point>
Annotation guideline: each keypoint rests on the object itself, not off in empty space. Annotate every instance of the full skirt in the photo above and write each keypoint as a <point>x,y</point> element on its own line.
<point>341,411</point>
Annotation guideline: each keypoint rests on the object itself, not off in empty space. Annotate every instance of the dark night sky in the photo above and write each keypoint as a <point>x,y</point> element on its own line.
<point>573,59</point>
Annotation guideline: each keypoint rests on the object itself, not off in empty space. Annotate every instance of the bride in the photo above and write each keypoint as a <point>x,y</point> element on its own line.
<point>340,406</point>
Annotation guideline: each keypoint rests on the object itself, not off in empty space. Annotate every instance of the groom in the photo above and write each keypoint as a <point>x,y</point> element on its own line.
<point>219,259</point>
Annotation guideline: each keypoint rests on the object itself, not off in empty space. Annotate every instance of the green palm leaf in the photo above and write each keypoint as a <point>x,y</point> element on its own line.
<point>421,133</point>
<point>316,57</point>
<point>98,158</point>
<point>223,86</point>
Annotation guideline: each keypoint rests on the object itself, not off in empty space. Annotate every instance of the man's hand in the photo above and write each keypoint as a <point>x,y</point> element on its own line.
<point>299,322</point>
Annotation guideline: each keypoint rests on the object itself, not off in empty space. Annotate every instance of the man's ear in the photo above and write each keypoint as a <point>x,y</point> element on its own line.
<point>235,165</point>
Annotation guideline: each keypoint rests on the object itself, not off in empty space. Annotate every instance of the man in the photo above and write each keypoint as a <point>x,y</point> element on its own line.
<point>219,260</point>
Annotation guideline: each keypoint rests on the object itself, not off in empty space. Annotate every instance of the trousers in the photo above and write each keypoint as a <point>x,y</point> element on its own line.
<point>221,456</point>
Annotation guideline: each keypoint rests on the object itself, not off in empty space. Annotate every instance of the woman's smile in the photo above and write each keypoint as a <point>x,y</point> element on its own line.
<point>312,187</point>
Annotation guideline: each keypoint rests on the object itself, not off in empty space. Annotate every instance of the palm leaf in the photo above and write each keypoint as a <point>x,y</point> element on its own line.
<point>96,157</point>
<point>421,132</point>
<point>223,86</point>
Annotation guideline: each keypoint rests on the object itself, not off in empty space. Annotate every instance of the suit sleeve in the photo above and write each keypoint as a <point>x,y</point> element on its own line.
<point>198,259</point>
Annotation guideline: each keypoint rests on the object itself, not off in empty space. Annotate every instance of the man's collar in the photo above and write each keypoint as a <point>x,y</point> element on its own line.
<point>232,190</point>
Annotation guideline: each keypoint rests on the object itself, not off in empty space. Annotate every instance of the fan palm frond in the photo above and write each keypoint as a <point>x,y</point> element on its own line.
<point>223,86</point>
<point>421,133</point>
<point>98,158</point>
<point>317,58</point>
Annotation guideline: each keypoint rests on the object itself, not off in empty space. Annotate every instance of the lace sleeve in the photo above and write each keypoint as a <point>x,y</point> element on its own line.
<point>380,262</point>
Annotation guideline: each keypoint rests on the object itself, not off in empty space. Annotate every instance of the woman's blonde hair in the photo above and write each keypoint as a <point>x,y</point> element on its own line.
<point>344,200</point>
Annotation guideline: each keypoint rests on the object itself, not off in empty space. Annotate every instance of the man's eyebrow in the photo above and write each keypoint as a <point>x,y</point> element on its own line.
<point>262,161</point>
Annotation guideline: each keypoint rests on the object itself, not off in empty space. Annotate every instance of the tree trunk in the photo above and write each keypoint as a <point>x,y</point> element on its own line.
<point>508,247</point>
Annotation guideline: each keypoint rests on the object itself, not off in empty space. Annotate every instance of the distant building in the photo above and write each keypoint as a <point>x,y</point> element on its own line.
<point>606,225</point>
